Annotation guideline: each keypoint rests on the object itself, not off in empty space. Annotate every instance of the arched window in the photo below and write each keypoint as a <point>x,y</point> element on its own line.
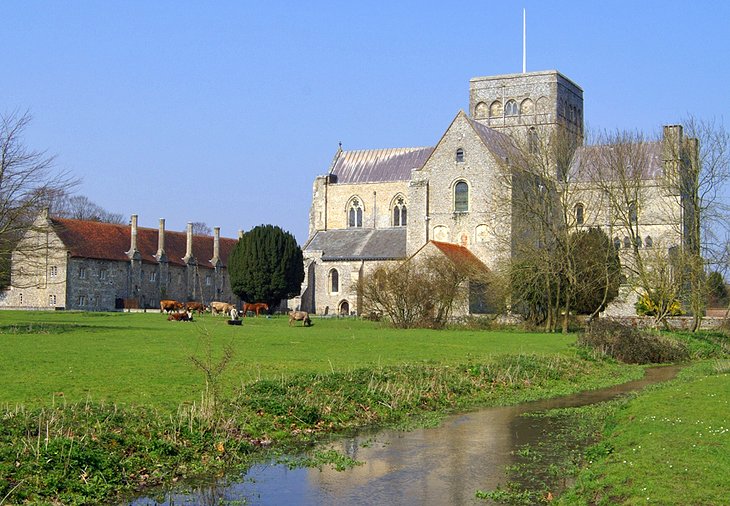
<point>354,215</point>
<point>495,110</point>
<point>527,107</point>
<point>481,110</point>
<point>334,281</point>
<point>627,242</point>
<point>617,243</point>
<point>510,108</point>
<point>533,143</point>
<point>400,213</point>
<point>579,208</point>
<point>461,197</point>
<point>649,242</point>
<point>460,155</point>
<point>633,214</point>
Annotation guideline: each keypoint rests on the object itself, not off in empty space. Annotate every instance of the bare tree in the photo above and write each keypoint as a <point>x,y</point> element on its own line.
<point>80,207</point>
<point>28,183</point>
<point>200,228</point>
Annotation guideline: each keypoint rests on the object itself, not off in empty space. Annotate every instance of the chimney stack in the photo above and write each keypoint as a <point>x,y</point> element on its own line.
<point>216,244</point>
<point>133,245</point>
<point>161,240</point>
<point>189,248</point>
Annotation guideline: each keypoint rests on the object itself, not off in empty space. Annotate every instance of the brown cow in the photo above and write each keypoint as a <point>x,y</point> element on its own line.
<point>198,307</point>
<point>180,317</point>
<point>170,306</point>
<point>255,307</point>
<point>221,307</point>
<point>302,316</point>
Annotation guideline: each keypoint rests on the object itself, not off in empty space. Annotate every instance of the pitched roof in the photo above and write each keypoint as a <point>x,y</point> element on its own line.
<point>642,159</point>
<point>460,256</point>
<point>360,244</point>
<point>108,241</point>
<point>376,165</point>
<point>498,143</point>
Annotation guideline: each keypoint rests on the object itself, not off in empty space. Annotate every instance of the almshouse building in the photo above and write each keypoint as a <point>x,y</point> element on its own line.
<point>380,206</point>
<point>88,265</point>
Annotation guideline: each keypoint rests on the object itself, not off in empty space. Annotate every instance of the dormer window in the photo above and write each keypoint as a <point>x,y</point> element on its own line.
<point>460,155</point>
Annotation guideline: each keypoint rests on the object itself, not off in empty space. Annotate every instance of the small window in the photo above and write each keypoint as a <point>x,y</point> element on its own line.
<point>334,281</point>
<point>103,274</point>
<point>649,242</point>
<point>460,155</point>
<point>51,300</point>
<point>627,242</point>
<point>461,197</point>
<point>510,108</point>
<point>54,271</point>
<point>208,280</point>
<point>579,214</point>
<point>82,272</point>
<point>82,300</point>
<point>617,243</point>
<point>153,276</point>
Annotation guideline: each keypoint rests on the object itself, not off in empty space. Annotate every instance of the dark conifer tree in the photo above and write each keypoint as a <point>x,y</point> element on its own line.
<point>266,265</point>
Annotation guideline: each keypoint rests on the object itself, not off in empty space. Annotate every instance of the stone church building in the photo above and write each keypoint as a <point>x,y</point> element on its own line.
<point>87,265</point>
<point>381,206</point>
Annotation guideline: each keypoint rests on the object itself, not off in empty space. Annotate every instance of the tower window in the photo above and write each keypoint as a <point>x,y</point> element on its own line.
<point>649,242</point>
<point>510,108</point>
<point>461,197</point>
<point>460,155</point>
<point>633,215</point>
<point>533,143</point>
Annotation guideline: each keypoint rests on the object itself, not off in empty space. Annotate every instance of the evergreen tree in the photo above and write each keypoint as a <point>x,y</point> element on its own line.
<point>598,270</point>
<point>266,265</point>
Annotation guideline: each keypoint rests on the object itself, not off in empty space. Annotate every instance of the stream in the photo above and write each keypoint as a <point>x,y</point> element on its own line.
<point>435,466</point>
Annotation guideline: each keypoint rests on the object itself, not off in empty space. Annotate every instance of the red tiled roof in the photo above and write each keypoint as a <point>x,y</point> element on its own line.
<point>108,241</point>
<point>460,256</point>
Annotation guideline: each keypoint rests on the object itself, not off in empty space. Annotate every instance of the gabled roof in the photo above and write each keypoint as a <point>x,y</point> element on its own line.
<point>360,244</point>
<point>378,165</point>
<point>460,256</point>
<point>108,241</point>
<point>498,143</point>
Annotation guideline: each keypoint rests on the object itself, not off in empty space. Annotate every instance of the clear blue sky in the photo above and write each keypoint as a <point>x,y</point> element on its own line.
<point>224,112</point>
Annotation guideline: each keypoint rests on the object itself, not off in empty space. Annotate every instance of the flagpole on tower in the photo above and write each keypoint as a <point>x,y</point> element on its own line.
<point>524,40</point>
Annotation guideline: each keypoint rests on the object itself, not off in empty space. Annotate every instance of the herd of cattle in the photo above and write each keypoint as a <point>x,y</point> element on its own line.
<point>183,311</point>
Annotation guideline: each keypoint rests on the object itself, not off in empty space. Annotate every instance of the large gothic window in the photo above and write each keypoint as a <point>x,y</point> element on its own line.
<point>461,197</point>
<point>400,212</point>
<point>354,214</point>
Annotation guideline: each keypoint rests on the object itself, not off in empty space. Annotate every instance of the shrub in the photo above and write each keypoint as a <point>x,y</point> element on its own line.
<point>629,345</point>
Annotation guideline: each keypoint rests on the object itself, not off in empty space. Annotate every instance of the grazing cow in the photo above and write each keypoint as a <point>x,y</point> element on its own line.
<point>255,307</point>
<point>220,307</point>
<point>302,316</point>
<point>170,305</point>
<point>180,317</point>
<point>193,306</point>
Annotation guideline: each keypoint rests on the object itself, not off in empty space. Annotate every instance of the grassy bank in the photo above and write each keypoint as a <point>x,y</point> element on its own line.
<point>670,445</point>
<point>100,405</point>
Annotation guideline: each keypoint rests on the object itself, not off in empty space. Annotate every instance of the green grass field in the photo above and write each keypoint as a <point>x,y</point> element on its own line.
<point>141,358</point>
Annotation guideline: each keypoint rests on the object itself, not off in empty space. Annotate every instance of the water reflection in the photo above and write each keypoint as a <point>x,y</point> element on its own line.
<point>443,465</point>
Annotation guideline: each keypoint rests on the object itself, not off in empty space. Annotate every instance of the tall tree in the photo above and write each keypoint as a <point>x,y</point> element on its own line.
<point>80,207</point>
<point>28,183</point>
<point>266,265</point>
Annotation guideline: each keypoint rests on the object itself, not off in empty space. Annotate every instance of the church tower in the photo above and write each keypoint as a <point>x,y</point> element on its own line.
<point>538,102</point>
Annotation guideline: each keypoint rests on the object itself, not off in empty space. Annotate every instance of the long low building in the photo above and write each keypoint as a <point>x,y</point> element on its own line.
<point>88,265</point>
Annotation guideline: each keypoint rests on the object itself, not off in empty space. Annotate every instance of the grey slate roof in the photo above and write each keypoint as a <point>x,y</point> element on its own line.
<point>375,165</point>
<point>360,244</point>
<point>498,143</point>
<point>643,160</point>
